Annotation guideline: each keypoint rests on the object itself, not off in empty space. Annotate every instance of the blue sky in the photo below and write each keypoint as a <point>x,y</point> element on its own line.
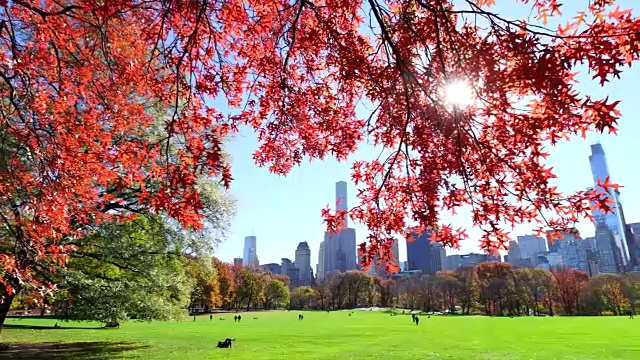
<point>283,211</point>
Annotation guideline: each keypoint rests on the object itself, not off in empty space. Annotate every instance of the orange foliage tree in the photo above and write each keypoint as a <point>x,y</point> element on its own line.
<point>83,81</point>
<point>569,283</point>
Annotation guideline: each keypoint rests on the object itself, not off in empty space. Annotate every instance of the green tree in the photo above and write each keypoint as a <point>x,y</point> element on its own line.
<point>301,297</point>
<point>250,290</point>
<point>276,293</point>
<point>131,270</point>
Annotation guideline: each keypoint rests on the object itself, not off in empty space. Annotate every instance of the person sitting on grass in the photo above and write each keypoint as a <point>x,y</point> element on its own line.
<point>227,343</point>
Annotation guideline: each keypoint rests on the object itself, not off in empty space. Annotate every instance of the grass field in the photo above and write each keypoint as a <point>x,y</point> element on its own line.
<point>333,336</point>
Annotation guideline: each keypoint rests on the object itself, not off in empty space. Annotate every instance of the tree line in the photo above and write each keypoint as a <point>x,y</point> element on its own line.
<point>490,288</point>
<point>202,286</point>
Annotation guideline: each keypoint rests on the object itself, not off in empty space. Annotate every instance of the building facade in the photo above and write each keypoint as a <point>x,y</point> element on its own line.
<point>573,252</point>
<point>250,254</point>
<point>303,263</point>
<point>237,261</point>
<point>531,246</point>
<point>338,250</point>
<point>285,265</point>
<point>455,262</point>
<point>612,220</point>
<point>272,268</point>
<point>425,256</point>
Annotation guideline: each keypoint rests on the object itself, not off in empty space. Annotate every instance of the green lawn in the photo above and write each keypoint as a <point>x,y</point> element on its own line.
<point>334,336</point>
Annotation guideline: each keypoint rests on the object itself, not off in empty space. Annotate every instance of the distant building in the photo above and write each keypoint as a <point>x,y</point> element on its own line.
<point>573,252</point>
<point>424,255</point>
<point>303,263</point>
<point>250,254</point>
<point>407,273</point>
<point>237,261</point>
<point>609,254</point>
<point>514,252</point>
<point>320,266</point>
<point>272,268</point>
<point>530,246</point>
<point>634,230</point>
<point>612,220</point>
<point>294,276</point>
<point>380,269</point>
<point>455,262</point>
<point>338,251</point>
<point>285,265</point>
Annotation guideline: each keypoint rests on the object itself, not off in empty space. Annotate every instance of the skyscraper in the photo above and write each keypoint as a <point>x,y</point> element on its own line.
<point>514,252</point>
<point>320,265</point>
<point>250,254</point>
<point>424,255</point>
<point>573,252</point>
<point>303,262</point>
<point>608,254</point>
<point>341,199</point>
<point>612,220</point>
<point>531,245</point>
<point>380,269</point>
<point>338,251</point>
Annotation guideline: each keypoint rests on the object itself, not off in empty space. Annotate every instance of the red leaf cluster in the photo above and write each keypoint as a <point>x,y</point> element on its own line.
<point>118,105</point>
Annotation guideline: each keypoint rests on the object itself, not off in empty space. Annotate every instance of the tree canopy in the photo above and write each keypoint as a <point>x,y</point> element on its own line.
<point>82,81</point>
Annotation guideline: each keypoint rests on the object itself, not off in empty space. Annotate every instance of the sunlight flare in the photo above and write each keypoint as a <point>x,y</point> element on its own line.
<point>459,94</point>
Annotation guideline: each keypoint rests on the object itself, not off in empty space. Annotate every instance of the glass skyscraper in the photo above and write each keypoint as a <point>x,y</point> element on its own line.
<point>612,220</point>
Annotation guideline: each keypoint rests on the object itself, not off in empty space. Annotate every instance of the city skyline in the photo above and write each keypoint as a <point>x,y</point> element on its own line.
<point>587,229</point>
<point>269,205</point>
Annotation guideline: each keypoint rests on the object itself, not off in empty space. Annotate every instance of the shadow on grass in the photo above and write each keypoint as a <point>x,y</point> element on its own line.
<point>67,351</point>
<point>42,327</point>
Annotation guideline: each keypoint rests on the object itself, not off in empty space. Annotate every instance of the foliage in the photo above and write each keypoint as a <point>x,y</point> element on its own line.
<point>130,270</point>
<point>206,290</point>
<point>301,297</point>
<point>227,282</point>
<point>82,82</point>
<point>250,290</point>
<point>276,294</point>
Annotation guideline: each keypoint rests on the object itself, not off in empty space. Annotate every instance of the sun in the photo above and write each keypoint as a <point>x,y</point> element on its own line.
<point>459,94</point>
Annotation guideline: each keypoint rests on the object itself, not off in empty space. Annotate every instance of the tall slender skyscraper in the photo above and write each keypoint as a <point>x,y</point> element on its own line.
<point>612,220</point>
<point>250,254</point>
<point>338,251</point>
<point>341,199</point>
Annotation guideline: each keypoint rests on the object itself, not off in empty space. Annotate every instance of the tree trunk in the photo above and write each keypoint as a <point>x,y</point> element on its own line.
<point>4,308</point>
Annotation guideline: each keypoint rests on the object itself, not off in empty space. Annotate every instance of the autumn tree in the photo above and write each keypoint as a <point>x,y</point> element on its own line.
<point>250,288</point>
<point>569,283</point>
<point>80,82</point>
<point>465,277</point>
<point>355,284</point>
<point>539,288</point>
<point>410,290</point>
<point>612,292</point>
<point>301,297</point>
<point>429,294</point>
<point>205,292</point>
<point>386,290</point>
<point>449,287</point>
<point>227,282</point>
<point>493,280</point>
<point>322,295</point>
